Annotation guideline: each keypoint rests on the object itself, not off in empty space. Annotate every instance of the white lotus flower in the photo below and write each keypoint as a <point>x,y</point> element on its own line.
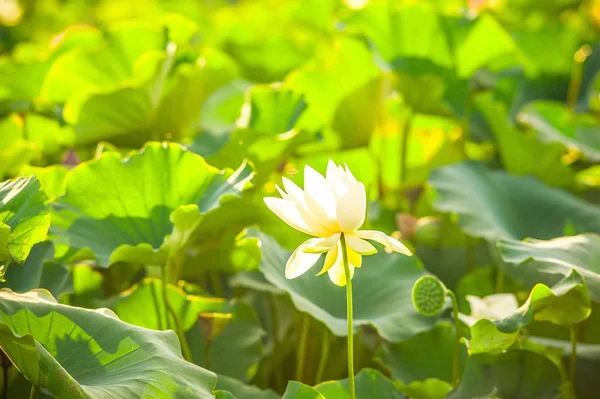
<point>327,208</point>
<point>491,307</point>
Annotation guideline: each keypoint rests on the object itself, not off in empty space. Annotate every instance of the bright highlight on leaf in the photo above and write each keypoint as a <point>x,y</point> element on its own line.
<point>329,206</point>
<point>123,211</point>
<point>76,353</point>
<point>24,218</point>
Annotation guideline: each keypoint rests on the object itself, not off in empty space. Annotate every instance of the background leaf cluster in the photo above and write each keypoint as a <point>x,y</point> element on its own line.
<point>137,140</point>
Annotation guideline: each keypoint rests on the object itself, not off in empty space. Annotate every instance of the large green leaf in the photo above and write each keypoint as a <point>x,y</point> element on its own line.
<point>39,272</point>
<point>122,208</point>
<point>488,45</point>
<point>566,303</point>
<point>104,65</point>
<point>240,391</point>
<point>51,178</point>
<point>15,151</point>
<point>369,384</point>
<point>234,352</point>
<point>522,154</point>
<point>159,107</point>
<point>295,29</point>
<point>390,27</point>
<point>48,136</point>
<point>423,66</point>
<point>381,287</point>
<point>273,124</point>
<point>20,82</point>
<point>273,109</point>
<point>515,374</point>
<point>493,204</point>
<point>183,97</point>
<point>77,353</point>
<point>547,261</point>
<point>553,122</point>
<point>431,388</point>
<point>342,87</point>
<point>297,390</point>
<point>410,360</point>
<point>25,215</point>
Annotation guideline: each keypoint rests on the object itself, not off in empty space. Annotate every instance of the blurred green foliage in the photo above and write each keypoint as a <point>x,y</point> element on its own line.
<point>144,134</point>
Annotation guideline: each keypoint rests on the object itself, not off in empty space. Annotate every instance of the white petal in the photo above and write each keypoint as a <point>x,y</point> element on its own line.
<point>320,245</point>
<point>492,307</point>
<point>352,207</point>
<point>391,244</point>
<point>293,190</point>
<point>336,272</point>
<point>331,225</point>
<point>477,306</point>
<point>317,187</point>
<point>348,175</point>
<point>332,172</point>
<point>300,262</point>
<point>313,222</point>
<point>468,320</point>
<point>296,195</point>
<point>359,245</point>
<point>288,212</point>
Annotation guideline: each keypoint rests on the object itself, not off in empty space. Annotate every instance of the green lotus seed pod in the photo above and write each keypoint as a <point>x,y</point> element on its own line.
<point>429,295</point>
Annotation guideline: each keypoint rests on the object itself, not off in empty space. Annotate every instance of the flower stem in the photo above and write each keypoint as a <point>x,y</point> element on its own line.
<point>466,134</point>
<point>499,280</point>
<point>275,325</point>
<point>324,356</point>
<point>404,152</point>
<point>33,394</point>
<point>573,358</point>
<point>6,364</point>
<point>456,356</point>
<point>5,383</point>
<point>169,311</point>
<point>349,316</point>
<point>301,351</point>
<point>577,75</point>
<point>471,243</point>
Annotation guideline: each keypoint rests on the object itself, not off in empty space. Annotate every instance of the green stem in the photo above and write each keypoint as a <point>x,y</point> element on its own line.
<point>574,85</point>
<point>349,316</point>
<point>324,356</point>
<point>499,279</point>
<point>471,243</point>
<point>5,382</point>
<point>274,321</point>
<point>207,345</point>
<point>277,371</point>
<point>301,351</point>
<point>6,364</point>
<point>573,358</point>
<point>217,284</point>
<point>404,153</point>
<point>185,348</point>
<point>456,355</point>
<point>33,394</point>
<point>165,296</point>
<point>467,124</point>
<point>576,75</point>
